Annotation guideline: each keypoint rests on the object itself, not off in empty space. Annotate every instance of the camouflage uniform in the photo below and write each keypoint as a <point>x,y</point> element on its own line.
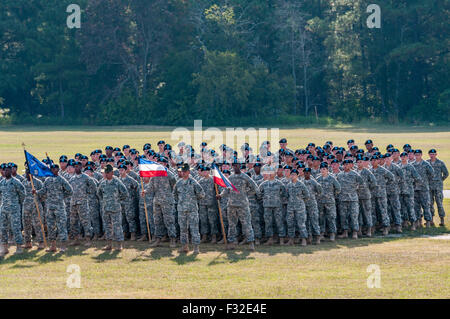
<point>348,198</point>
<point>410,176</point>
<point>422,189</point>
<point>111,193</point>
<point>273,192</point>
<point>296,210</point>
<point>13,193</point>
<point>82,186</point>
<point>365,197</point>
<point>393,191</point>
<point>128,208</point>
<point>380,197</point>
<point>55,190</point>
<point>94,210</point>
<point>437,186</point>
<point>30,217</point>
<point>224,208</point>
<point>208,208</point>
<point>186,193</point>
<point>163,204</point>
<point>238,206</point>
<point>312,211</point>
<point>326,203</point>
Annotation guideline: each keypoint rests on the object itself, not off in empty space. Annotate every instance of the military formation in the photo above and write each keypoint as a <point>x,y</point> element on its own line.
<point>285,197</point>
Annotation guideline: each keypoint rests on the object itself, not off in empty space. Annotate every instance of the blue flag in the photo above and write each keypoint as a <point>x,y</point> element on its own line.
<point>36,167</point>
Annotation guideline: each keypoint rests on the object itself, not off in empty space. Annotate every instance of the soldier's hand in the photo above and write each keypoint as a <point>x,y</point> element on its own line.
<point>33,191</point>
<point>143,193</point>
<point>218,196</point>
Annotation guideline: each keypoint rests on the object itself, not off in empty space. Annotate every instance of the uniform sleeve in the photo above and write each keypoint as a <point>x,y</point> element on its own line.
<point>100,191</point>
<point>123,192</point>
<point>416,176</point>
<point>430,171</point>
<point>318,187</point>
<point>67,188</point>
<point>337,187</point>
<point>252,185</point>
<point>91,186</point>
<point>388,175</point>
<point>444,171</point>
<point>305,191</point>
<point>199,191</point>
<point>20,189</point>
<point>372,181</point>
<point>175,193</point>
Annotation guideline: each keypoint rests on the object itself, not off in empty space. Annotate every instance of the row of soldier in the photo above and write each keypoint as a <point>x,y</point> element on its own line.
<point>286,197</point>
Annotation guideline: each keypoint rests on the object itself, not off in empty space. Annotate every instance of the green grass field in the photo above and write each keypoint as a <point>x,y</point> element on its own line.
<point>412,266</point>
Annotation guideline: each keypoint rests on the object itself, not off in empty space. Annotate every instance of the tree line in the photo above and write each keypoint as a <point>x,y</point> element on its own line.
<point>226,62</point>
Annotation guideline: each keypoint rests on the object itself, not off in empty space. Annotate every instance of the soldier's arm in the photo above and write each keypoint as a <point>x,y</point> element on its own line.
<point>91,185</point>
<point>199,191</point>
<point>337,187</point>
<point>20,189</point>
<point>372,181</point>
<point>175,193</point>
<point>67,188</point>
<point>123,192</point>
<point>416,176</point>
<point>388,175</point>
<point>305,191</point>
<point>317,187</point>
<point>100,192</point>
<point>252,185</point>
<point>444,172</point>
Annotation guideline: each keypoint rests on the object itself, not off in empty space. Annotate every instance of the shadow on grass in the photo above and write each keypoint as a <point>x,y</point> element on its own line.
<point>107,255</point>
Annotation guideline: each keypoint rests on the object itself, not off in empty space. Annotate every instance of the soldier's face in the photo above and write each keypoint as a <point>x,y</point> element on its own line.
<point>109,175</point>
<point>8,172</point>
<point>324,171</point>
<point>55,171</point>
<point>63,165</point>
<point>418,156</point>
<point>257,169</point>
<point>294,176</point>
<point>78,169</point>
<point>283,145</point>
<point>433,156</point>
<point>307,174</point>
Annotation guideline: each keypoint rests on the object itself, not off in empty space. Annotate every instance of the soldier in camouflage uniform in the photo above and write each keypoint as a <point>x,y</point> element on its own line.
<point>12,193</point>
<point>296,211</point>
<point>187,192</point>
<point>410,176</point>
<point>312,217</point>
<point>422,190</point>
<point>238,205</point>
<point>208,207</point>
<point>128,211</point>
<point>379,200</point>
<point>365,194</point>
<point>326,201</point>
<point>272,193</point>
<point>82,186</point>
<point>348,198</point>
<point>55,190</point>
<point>111,192</point>
<point>94,205</point>
<point>224,206</point>
<point>30,217</point>
<point>437,184</point>
<point>393,191</point>
<point>147,196</point>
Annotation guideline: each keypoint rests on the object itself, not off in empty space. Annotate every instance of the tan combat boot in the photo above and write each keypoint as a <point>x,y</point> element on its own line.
<point>369,232</point>
<point>108,247</point>
<point>413,226</point>
<point>62,248</point>
<point>317,240</point>
<point>398,229</point>
<point>75,242</point>
<point>354,235</point>
<point>214,239</point>
<point>309,240</point>
<point>52,248</point>
<point>303,243</point>
<point>4,250</point>
<point>204,239</point>
<point>343,235</point>
<point>385,231</point>
<point>281,241</point>
<point>143,238</point>
<point>442,223</point>
<point>196,250</point>
<point>332,237</point>
<point>87,242</point>
<point>156,243</point>
<point>231,246</point>
<point>28,245</point>
<point>428,224</point>
<point>269,241</point>
<point>165,239</point>
<point>133,236</point>
<point>41,245</point>
<point>118,246</point>
<point>257,242</point>
<point>19,250</point>
<point>173,243</point>
<point>290,242</point>
<point>432,223</point>
<point>184,249</point>
<point>251,246</point>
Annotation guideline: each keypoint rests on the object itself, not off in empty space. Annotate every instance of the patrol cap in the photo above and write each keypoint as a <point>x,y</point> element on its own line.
<point>348,162</point>
<point>387,155</point>
<point>257,165</point>
<point>406,146</point>
<point>89,168</point>
<point>116,149</point>
<point>168,147</point>
<point>108,148</point>
<point>418,151</point>
<point>108,169</point>
<point>307,169</point>
<point>432,151</point>
<point>335,161</point>
<point>368,142</point>
<point>283,140</point>
<point>123,166</point>
<point>161,142</point>
<point>403,154</point>
<point>315,158</point>
<point>323,165</point>
<point>354,147</point>
<point>294,171</point>
<point>350,141</point>
<point>54,166</point>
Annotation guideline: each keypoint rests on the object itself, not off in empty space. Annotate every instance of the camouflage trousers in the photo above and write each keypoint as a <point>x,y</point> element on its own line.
<point>296,218</point>
<point>143,219</point>
<point>379,205</point>
<point>10,217</point>
<point>255,211</point>
<point>164,220</point>
<point>189,222</point>
<point>242,214</point>
<point>438,197</point>
<point>113,226</point>
<point>312,218</point>
<point>350,210</point>
<point>224,208</point>
<point>128,218</point>
<point>271,214</point>
<point>80,212</point>
<point>208,219</point>
<point>327,217</point>
<point>422,201</point>
<point>394,208</point>
<point>407,205</point>
<point>96,221</point>
<point>30,220</point>
<point>365,212</point>
<point>56,223</point>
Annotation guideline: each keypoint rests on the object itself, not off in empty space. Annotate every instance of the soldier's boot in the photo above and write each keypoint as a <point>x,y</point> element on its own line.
<point>118,246</point>
<point>204,239</point>
<point>184,249</point>
<point>19,250</point>
<point>360,232</point>
<point>62,248</point>
<point>269,241</point>
<point>87,242</point>
<point>290,242</point>
<point>257,242</point>
<point>322,236</point>
<point>108,247</point>
<point>4,250</point>
<point>309,240</point>
<point>355,235</point>
<point>303,243</point>
<point>385,231</point>
<point>398,229</point>
<point>221,241</point>
<point>420,222</point>
<point>369,232</point>
<point>125,235</point>
<point>413,226</point>
<point>373,230</point>
<point>41,245</point>
<point>281,241</point>
<point>242,242</point>
<point>332,236</point>
<point>143,238</point>
<point>297,240</point>
<point>173,243</point>
<point>231,246</point>
<point>133,236</point>
<point>214,239</point>
<point>343,235</point>
<point>156,243</point>
<point>165,239</point>
<point>76,242</point>
<point>196,250</point>
<point>428,224</point>
<point>432,223</point>
<point>102,238</point>
<point>316,240</point>
<point>442,222</point>
<point>251,246</point>
<point>28,245</point>
<point>52,248</point>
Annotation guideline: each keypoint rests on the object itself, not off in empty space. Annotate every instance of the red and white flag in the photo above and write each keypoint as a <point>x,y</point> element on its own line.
<point>151,169</point>
<point>221,179</point>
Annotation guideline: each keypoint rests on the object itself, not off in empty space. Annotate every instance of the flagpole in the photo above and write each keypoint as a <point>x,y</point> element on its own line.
<point>145,208</point>
<point>220,216</point>
<point>34,196</point>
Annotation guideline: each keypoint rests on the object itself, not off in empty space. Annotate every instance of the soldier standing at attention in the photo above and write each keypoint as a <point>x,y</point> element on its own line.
<point>12,193</point>
<point>30,215</point>
<point>410,176</point>
<point>82,186</point>
<point>187,192</point>
<point>365,194</point>
<point>111,192</point>
<point>128,211</point>
<point>437,185</point>
<point>315,189</point>
<point>208,207</point>
<point>393,191</point>
<point>296,210</point>
<point>55,190</point>
<point>94,205</point>
<point>422,190</point>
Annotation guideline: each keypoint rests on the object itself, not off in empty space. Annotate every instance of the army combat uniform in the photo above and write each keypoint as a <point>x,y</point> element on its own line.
<point>422,190</point>
<point>273,192</point>
<point>297,193</point>
<point>208,208</point>
<point>437,186</point>
<point>12,193</point>
<point>327,204</point>
<point>393,191</point>
<point>128,207</point>
<point>348,199</point>
<point>30,215</point>
<point>379,200</point>
<point>410,177</point>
